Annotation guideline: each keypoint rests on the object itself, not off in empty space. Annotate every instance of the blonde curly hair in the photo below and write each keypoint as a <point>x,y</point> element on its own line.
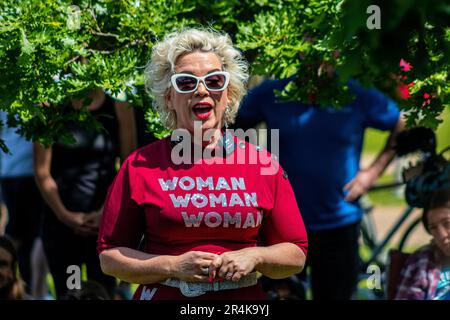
<point>164,57</point>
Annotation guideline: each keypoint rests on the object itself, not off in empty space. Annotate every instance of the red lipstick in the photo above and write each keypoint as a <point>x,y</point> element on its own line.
<point>202,110</point>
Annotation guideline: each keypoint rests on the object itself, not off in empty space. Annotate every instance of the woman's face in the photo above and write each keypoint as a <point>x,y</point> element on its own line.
<point>6,271</point>
<point>207,107</point>
<point>439,226</point>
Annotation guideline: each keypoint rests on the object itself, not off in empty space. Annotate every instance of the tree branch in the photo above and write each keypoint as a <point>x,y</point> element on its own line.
<point>128,45</point>
<point>72,60</point>
<point>102,34</point>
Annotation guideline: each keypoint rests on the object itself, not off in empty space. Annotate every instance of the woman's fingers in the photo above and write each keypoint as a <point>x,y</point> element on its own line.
<point>203,266</point>
<point>215,266</point>
<point>231,273</point>
<point>199,278</point>
<point>204,255</point>
<point>195,266</point>
<point>237,276</point>
<point>236,264</point>
<point>226,269</point>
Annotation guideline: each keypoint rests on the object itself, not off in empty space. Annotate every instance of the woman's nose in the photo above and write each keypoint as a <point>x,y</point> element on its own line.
<point>443,233</point>
<point>201,89</point>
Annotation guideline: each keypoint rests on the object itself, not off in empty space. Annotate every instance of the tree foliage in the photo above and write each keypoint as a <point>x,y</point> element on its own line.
<point>44,45</point>
<point>310,38</point>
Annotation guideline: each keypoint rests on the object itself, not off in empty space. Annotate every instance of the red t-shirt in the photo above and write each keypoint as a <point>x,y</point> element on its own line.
<point>202,207</point>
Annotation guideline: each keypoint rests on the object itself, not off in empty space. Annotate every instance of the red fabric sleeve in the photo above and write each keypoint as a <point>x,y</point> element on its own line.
<point>123,221</point>
<point>284,222</point>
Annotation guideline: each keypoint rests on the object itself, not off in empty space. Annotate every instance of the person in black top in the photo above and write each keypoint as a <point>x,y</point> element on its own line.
<point>74,179</point>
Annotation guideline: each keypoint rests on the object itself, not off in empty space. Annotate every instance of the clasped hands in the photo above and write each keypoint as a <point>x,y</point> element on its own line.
<point>199,266</point>
<point>81,223</point>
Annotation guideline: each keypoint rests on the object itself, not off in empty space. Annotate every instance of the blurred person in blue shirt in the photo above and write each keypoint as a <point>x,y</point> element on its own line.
<point>24,205</point>
<point>320,149</point>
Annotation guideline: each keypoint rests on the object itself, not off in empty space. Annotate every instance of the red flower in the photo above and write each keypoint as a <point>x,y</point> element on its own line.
<point>426,95</point>
<point>405,66</point>
<point>425,103</point>
<point>403,90</point>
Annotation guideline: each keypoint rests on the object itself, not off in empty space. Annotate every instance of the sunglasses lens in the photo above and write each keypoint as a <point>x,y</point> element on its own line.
<point>215,82</point>
<point>186,83</point>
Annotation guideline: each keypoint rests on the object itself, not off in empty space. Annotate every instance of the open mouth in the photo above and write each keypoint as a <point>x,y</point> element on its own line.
<point>202,110</point>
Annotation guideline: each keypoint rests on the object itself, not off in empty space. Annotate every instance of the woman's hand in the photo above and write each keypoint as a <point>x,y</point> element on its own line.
<point>188,266</point>
<point>77,222</point>
<point>93,220</point>
<point>233,265</point>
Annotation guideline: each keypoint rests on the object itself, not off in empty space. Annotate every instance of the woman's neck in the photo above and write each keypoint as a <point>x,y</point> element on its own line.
<point>207,141</point>
<point>211,139</point>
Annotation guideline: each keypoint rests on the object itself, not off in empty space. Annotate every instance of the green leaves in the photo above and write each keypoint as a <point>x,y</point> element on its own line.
<point>27,47</point>
<point>316,37</point>
<point>56,49</point>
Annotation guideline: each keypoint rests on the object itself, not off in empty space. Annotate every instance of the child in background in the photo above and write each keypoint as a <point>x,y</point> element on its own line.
<point>11,287</point>
<point>426,275</point>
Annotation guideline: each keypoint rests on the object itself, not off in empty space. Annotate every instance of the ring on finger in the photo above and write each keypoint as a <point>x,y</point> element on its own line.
<point>205,271</point>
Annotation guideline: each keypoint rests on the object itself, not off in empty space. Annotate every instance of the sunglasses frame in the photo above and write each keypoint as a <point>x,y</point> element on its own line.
<point>173,80</point>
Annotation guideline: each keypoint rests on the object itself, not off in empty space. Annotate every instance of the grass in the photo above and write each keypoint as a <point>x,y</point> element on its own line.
<point>374,139</point>
<point>443,132</point>
<point>387,197</point>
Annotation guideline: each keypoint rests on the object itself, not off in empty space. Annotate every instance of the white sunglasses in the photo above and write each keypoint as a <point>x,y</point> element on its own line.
<point>187,83</point>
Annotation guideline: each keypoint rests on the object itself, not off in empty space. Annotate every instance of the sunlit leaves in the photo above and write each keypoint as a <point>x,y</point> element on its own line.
<point>44,59</point>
